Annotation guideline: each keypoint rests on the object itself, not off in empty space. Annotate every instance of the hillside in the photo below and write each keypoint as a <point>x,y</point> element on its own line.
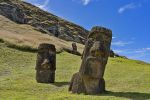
<point>24,26</point>
<point>25,13</point>
<point>125,79</point>
<point>25,36</point>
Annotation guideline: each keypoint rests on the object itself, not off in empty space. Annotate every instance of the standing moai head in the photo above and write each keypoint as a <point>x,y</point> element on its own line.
<point>74,47</point>
<point>94,60</point>
<point>46,63</point>
<point>97,49</point>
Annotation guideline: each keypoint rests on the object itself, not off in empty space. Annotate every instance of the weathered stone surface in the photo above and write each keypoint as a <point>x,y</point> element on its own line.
<point>12,12</point>
<point>25,13</point>
<point>77,84</point>
<point>46,63</point>
<point>90,79</point>
<point>54,30</point>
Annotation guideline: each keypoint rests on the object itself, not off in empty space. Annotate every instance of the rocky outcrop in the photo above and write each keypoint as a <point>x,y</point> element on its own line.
<point>46,63</point>
<point>90,79</point>
<point>113,55</point>
<point>25,13</point>
<point>12,12</point>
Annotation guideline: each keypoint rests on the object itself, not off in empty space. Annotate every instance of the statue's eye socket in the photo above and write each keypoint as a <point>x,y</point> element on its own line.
<point>92,52</point>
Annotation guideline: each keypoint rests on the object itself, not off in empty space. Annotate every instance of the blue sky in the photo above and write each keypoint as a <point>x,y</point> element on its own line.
<point>128,19</point>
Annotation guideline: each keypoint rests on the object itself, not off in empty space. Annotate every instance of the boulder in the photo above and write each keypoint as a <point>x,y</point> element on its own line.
<point>46,63</point>
<point>89,79</point>
<point>12,12</point>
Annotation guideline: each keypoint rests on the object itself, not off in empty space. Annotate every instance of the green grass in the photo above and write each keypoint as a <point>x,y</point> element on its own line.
<point>125,79</point>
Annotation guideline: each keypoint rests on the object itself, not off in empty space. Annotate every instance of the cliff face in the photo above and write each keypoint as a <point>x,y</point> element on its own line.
<point>25,13</point>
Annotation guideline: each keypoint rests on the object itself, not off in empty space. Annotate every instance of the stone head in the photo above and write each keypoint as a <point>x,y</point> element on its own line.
<point>99,41</point>
<point>46,56</point>
<point>96,52</point>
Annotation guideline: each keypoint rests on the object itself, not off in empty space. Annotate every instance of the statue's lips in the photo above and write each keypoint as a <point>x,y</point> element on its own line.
<point>93,68</point>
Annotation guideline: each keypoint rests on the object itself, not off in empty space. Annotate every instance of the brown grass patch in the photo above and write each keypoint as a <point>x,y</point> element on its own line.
<point>26,36</point>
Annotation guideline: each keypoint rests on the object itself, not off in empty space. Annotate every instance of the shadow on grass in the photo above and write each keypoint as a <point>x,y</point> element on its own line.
<point>129,95</point>
<point>59,84</point>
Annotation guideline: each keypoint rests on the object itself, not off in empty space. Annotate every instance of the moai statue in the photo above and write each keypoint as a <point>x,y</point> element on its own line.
<point>74,47</point>
<point>46,63</point>
<point>89,79</point>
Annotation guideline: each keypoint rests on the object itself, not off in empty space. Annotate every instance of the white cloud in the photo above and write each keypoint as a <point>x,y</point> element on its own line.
<point>128,7</point>
<point>142,50</point>
<point>86,2</point>
<point>113,37</point>
<point>121,43</point>
<point>44,5</point>
<point>147,48</point>
<point>118,51</point>
<point>124,51</point>
<point>139,54</point>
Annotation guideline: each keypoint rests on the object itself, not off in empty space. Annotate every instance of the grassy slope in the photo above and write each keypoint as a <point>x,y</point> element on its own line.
<point>126,79</point>
<point>25,35</point>
<point>46,19</point>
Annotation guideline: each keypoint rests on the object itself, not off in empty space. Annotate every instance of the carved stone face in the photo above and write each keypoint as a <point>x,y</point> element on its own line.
<point>97,50</point>
<point>90,79</point>
<point>96,53</point>
<point>94,60</point>
<point>46,57</point>
<point>46,63</point>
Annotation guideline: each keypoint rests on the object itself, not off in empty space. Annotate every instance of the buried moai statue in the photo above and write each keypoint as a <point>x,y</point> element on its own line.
<point>73,50</point>
<point>46,63</point>
<point>74,47</point>
<point>89,79</point>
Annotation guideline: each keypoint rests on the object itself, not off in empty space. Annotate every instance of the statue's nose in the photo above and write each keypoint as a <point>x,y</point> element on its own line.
<point>46,61</point>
